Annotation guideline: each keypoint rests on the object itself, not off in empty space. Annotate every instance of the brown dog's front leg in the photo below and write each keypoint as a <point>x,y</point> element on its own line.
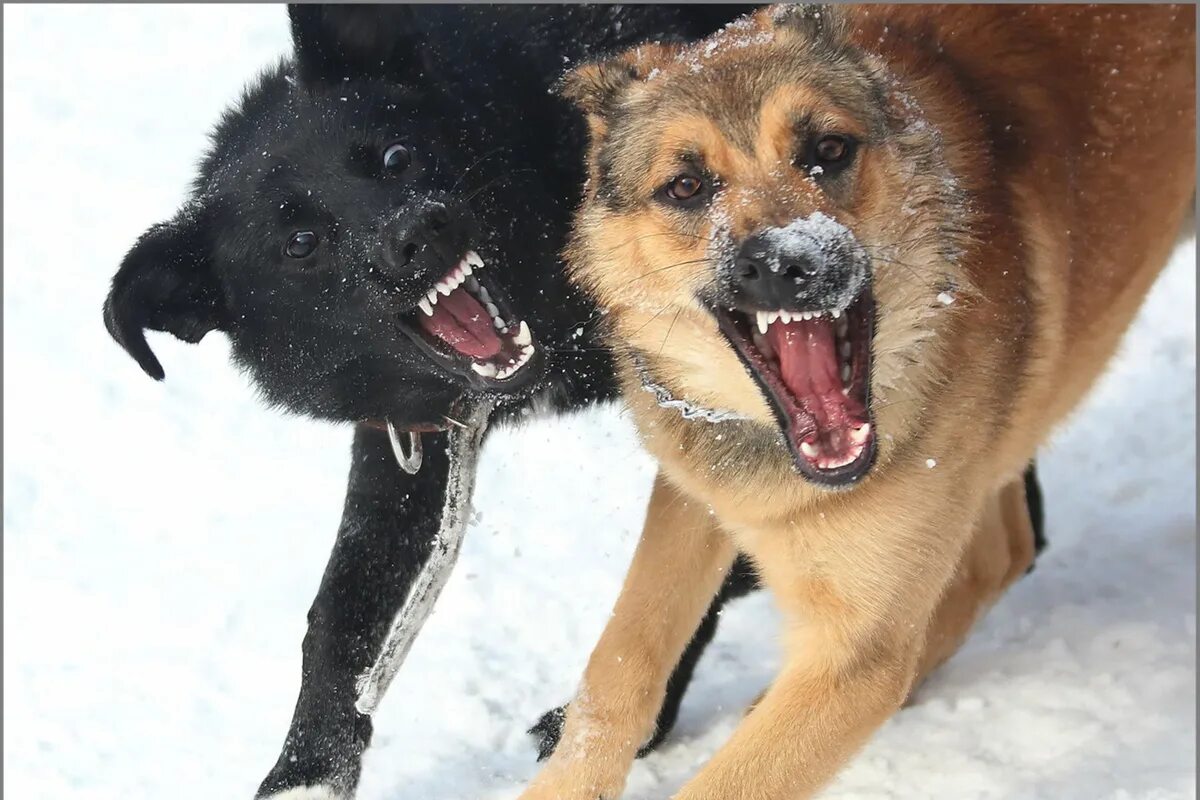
<point>678,566</point>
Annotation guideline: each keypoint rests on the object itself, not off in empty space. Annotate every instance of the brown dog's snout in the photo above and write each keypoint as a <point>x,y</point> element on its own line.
<point>811,264</point>
<point>769,275</point>
<point>772,274</point>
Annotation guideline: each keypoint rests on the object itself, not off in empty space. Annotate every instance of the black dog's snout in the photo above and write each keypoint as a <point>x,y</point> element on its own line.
<point>428,236</point>
<point>771,274</point>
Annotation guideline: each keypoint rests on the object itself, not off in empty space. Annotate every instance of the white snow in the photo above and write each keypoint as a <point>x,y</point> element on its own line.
<point>163,541</point>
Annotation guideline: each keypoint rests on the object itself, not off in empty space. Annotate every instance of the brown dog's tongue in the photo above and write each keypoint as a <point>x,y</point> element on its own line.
<point>462,322</point>
<point>808,364</point>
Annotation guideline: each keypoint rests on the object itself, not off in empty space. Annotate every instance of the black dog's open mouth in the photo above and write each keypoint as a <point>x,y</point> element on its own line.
<point>464,323</point>
<point>815,369</point>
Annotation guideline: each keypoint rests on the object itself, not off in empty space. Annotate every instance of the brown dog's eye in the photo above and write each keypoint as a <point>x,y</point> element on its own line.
<point>685,190</point>
<point>829,155</point>
<point>301,245</point>
<point>831,149</point>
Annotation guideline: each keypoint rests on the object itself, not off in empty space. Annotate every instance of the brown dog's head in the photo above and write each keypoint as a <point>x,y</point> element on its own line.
<point>769,195</point>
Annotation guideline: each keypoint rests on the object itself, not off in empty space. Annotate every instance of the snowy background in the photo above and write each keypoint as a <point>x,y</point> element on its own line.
<point>152,629</point>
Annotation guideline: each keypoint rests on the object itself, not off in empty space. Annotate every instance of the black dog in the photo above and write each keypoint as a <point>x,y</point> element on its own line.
<point>376,229</point>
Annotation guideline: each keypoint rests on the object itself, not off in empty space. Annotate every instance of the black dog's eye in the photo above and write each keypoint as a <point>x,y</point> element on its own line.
<point>301,245</point>
<point>396,158</point>
<point>685,190</point>
<point>830,154</point>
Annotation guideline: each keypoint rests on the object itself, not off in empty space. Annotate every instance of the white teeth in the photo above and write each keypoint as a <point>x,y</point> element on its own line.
<point>491,309</point>
<point>785,317</point>
<point>845,373</point>
<point>425,306</point>
<point>443,287</point>
<point>772,316</point>
<point>483,292</point>
<point>844,349</point>
<point>498,323</point>
<point>464,269</point>
<point>523,337</point>
<point>808,449</point>
<point>808,315</point>
<point>842,326</point>
<point>473,285</point>
<point>500,373</point>
<point>473,259</point>
<point>432,297</point>
<point>763,323</point>
<point>859,435</point>
<point>486,370</point>
<point>836,313</point>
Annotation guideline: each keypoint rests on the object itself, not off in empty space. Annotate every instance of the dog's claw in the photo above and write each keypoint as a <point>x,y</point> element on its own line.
<point>549,728</point>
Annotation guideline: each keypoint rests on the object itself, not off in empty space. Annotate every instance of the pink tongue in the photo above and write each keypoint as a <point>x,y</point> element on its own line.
<point>462,322</point>
<point>809,365</point>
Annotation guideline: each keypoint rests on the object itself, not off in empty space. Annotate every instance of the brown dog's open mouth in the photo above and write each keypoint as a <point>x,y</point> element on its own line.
<point>463,322</point>
<point>815,369</point>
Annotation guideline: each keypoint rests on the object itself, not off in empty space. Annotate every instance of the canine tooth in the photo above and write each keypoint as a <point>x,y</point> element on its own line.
<point>523,335</point>
<point>425,306</point>
<point>763,322</point>
<point>859,435</point>
<point>473,259</point>
<point>486,370</point>
<point>808,449</point>
<point>491,309</point>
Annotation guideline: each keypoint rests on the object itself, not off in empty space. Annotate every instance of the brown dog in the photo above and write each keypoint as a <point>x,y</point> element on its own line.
<point>876,249</point>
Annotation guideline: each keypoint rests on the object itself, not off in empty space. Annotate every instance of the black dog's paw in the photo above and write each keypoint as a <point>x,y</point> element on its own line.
<point>548,730</point>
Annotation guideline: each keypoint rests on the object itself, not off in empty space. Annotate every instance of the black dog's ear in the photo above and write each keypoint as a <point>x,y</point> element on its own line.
<point>336,42</point>
<point>166,284</point>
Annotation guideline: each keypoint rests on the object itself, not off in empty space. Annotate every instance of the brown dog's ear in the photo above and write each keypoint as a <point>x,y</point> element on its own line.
<point>815,22</point>
<point>595,87</point>
<point>166,284</point>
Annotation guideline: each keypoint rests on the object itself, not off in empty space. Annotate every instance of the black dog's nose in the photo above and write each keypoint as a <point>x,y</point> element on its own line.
<point>418,235</point>
<point>769,273</point>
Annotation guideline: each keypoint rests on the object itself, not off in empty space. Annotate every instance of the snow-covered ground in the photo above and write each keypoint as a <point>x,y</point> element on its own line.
<point>163,541</point>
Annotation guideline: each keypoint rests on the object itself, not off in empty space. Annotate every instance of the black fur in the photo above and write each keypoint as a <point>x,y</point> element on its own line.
<point>496,167</point>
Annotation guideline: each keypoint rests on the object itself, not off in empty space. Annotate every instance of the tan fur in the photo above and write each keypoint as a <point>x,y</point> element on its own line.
<point>1036,164</point>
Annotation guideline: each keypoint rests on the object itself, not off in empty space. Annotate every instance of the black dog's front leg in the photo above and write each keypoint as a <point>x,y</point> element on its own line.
<point>396,544</point>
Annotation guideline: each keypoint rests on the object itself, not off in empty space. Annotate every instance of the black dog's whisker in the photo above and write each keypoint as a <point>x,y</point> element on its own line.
<point>475,164</point>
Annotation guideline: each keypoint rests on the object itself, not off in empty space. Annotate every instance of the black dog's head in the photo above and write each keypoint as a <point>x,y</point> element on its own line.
<point>329,235</point>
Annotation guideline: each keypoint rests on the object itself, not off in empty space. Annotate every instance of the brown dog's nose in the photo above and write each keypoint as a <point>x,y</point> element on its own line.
<point>770,274</point>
